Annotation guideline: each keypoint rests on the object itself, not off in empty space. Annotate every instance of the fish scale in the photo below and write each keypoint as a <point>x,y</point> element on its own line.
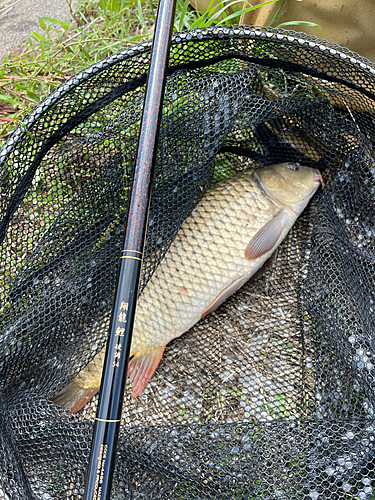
<point>209,259</point>
<point>222,225</point>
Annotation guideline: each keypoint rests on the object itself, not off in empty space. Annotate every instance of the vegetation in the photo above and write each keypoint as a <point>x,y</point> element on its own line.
<point>98,29</point>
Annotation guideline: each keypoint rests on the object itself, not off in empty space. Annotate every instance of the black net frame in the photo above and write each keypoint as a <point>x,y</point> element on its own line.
<point>271,396</point>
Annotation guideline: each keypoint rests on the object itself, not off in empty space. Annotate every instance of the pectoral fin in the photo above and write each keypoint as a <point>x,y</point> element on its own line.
<point>266,238</point>
<point>142,366</point>
<point>227,292</point>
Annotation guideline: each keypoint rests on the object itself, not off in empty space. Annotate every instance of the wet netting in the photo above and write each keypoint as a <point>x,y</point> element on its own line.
<point>272,395</point>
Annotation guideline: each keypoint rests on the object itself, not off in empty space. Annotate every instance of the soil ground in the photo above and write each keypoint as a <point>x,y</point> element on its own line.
<point>22,19</point>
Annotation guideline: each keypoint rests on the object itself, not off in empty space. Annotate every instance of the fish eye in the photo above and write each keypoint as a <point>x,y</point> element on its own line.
<point>292,166</point>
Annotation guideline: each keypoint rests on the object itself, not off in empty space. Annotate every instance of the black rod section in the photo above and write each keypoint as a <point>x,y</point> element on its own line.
<point>107,422</point>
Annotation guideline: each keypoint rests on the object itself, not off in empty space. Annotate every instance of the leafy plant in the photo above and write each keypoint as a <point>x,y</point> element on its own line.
<point>291,23</point>
<point>98,29</point>
<point>65,48</point>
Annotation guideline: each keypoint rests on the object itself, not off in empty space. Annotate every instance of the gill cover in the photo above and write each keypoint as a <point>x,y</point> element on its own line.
<point>290,184</point>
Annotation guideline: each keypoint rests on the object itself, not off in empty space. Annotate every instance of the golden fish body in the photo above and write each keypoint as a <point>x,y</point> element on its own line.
<point>230,234</point>
<point>207,255</point>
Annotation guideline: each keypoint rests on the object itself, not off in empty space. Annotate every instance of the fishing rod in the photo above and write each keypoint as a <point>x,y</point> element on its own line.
<point>108,417</point>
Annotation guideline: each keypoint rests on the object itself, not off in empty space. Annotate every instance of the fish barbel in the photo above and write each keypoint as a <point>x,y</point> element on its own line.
<point>232,231</point>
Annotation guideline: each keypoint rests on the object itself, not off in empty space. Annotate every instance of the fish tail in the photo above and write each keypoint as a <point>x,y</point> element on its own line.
<point>73,397</point>
<point>142,367</point>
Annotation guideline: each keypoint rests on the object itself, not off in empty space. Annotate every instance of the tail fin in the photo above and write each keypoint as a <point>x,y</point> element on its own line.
<point>73,397</point>
<point>142,367</point>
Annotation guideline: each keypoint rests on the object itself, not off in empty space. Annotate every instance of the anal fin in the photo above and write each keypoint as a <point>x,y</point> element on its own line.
<point>73,397</point>
<point>142,367</point>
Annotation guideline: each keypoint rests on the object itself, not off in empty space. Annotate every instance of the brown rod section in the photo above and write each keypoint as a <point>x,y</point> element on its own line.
<point>108,418</point>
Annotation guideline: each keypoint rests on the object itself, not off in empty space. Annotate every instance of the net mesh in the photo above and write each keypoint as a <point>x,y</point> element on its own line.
<point>271,396</point>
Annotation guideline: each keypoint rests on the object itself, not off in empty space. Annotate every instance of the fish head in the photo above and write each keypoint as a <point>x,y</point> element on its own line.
<point>289,184</point>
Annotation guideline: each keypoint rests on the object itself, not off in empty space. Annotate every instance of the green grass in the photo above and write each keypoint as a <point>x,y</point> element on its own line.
<point>98,29</point>
<point>64,49</point>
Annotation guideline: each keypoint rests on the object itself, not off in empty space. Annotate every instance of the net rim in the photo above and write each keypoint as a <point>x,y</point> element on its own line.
<point>200,35</point>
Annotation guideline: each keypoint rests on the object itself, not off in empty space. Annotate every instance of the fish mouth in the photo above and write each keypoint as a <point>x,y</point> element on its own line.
<point>318,177</point>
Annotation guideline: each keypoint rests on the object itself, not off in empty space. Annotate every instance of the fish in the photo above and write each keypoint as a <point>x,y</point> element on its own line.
<point>231,233</point>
